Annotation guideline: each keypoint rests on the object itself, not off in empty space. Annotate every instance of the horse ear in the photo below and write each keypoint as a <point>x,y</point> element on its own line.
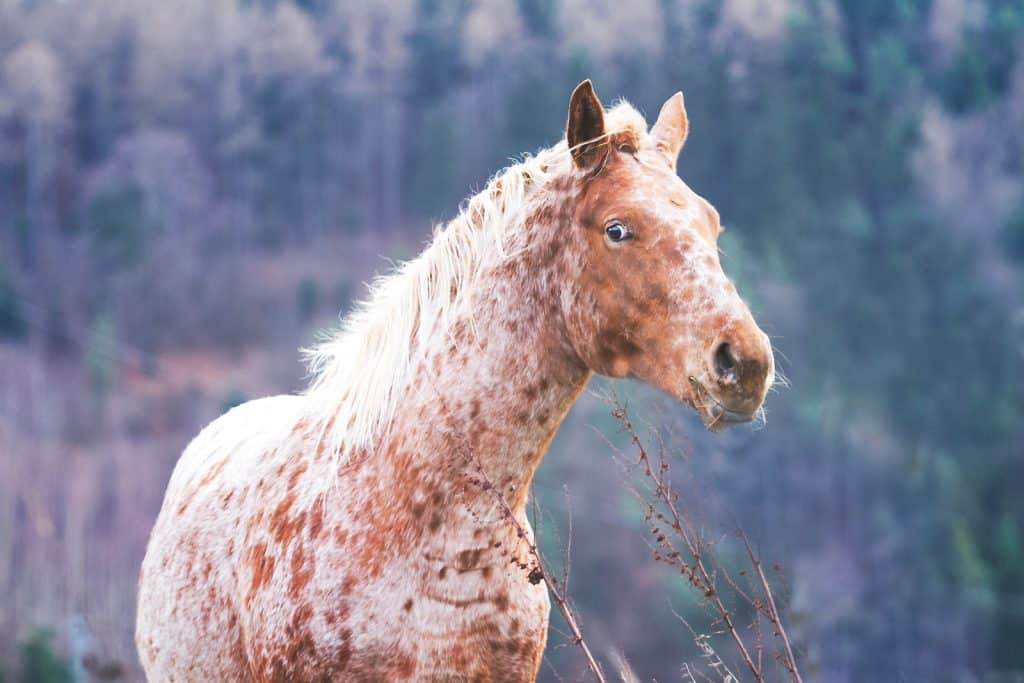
<point>585,130</point>
<point>670,130</point>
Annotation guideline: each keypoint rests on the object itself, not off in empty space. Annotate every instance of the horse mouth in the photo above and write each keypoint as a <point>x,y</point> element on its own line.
<point>715,415</point>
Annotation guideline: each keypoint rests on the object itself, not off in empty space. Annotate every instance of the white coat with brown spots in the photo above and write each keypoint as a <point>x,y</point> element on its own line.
<point>357,532</point>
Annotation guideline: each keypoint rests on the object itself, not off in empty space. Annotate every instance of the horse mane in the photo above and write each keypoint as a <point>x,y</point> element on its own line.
<point>360,370</point>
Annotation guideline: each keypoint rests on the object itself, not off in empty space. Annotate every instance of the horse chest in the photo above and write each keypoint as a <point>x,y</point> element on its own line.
<point>451,622</point>
<point>418,589</point>
<point>470,625</point>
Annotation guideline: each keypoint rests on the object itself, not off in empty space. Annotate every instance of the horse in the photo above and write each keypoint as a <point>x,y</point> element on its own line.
<point>374,527</point>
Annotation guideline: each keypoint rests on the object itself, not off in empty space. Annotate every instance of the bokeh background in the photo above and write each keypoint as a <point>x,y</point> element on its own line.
<point>190,190</point>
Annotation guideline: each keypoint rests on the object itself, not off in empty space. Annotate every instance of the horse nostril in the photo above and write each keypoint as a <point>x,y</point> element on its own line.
<point>725,362</point>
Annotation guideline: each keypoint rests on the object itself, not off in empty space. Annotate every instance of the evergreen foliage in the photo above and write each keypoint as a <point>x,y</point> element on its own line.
<point>38,663</point>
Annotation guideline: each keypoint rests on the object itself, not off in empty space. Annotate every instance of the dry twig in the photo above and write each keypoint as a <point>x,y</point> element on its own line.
<point>537,570</point>
<point>680,543</point>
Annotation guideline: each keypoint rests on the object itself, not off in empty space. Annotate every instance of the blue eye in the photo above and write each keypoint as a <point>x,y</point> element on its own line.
<point>617,232</point>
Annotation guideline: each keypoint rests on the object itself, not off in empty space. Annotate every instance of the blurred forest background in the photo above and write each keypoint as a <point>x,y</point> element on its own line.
<point>189,190</point>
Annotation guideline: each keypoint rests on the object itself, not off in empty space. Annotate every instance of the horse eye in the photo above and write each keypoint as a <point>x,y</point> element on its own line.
<point>617,232</point>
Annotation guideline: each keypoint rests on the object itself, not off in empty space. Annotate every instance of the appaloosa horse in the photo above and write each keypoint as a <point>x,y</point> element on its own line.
<point>345,534</point>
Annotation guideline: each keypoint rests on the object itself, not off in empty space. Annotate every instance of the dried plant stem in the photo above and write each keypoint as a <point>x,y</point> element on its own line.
<point>696,570</point>
<point>670,526</point>
<point>790,661</point>
<point>540,572</point>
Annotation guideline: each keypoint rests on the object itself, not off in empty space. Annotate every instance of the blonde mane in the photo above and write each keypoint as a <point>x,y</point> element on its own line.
<point>360,370</point>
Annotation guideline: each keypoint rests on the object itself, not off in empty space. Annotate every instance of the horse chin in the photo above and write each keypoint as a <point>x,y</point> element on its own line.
<point>716,416</point>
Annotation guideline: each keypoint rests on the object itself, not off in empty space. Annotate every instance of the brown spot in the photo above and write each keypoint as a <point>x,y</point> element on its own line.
<point>213,473</point>
<point>435,521</point>
<point>459,658</point>
<point>459,330</point>
<point>657,295</point>
<point>302,571</point>
<point>467,560</point>
<point>262,566</point>
<point>300,651</point>
<point>406,665</point>
<point>321,445</point>
<point>316,517</point>
<point>342,656</point>
<point>408,605</point>
<point>282,526</point>
<point>297,472</point>
<point>501,602</point>
<point>342,612</point>
<point>547,254</point>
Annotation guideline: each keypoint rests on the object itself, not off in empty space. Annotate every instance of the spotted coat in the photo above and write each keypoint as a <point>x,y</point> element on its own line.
<point>274,559</point>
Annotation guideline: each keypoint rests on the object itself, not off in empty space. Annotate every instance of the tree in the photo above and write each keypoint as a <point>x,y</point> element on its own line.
<point>12,317</point>
<point>38,663</point>
<point>35,95</point>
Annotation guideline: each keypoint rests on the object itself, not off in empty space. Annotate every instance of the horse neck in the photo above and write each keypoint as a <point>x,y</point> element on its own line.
<point>487,398</point>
